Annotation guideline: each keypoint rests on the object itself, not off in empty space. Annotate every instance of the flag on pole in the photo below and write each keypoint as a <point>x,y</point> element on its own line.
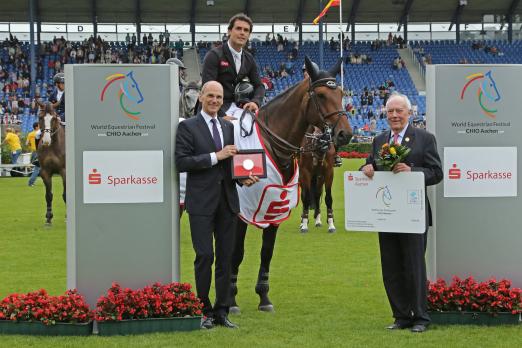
<point>330,3</point>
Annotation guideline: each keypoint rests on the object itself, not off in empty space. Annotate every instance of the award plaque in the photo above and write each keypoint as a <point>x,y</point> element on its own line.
<point>249,162</point>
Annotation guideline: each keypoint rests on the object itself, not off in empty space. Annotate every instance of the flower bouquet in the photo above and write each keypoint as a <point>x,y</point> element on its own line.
<point>391,154</point>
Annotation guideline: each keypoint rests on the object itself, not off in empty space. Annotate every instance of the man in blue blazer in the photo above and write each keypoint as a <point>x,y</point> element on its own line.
<point>204,149</point>
<point>402,254</point>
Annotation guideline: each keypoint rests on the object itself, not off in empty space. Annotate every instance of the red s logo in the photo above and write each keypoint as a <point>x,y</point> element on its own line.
<point>454,172</point>
<point>94,178</point>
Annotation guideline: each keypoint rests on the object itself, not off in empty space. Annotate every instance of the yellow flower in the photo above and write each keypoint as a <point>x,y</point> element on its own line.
<point>393,152</point>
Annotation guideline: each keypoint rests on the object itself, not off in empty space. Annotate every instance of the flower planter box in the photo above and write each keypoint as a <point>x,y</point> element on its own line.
<point>473,318</point>
<point>141,326</point>
<point>37,328</point>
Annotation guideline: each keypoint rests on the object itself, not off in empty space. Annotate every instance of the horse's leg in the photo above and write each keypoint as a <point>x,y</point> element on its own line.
<point>262,286</point>
<point>47,179</point>
<point>329,200</point>
<point>237,258</point>
<point>305,198</point>
<point>317,200</point>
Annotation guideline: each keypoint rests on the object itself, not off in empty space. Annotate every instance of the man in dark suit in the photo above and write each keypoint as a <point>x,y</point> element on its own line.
<point>204,149</point>
<point>230,64</point>
<point>402,254</point>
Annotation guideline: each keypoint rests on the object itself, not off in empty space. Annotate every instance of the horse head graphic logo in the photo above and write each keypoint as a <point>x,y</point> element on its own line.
<point>385,194</point>
<point>488,89</point>
<point>129,88</point>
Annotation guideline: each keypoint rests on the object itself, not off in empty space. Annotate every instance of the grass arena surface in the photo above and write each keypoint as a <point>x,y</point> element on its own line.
<point>326,288</point>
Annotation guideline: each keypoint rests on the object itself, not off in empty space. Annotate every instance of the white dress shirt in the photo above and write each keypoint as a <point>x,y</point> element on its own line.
<point>208,118</point>
<point>237,56</point>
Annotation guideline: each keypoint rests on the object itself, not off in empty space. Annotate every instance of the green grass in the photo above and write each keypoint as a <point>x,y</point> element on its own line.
<point>326,288</point>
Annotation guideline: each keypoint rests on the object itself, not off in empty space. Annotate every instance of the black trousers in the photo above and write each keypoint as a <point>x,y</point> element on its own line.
<point>220,225</point>
<point>404,275</point>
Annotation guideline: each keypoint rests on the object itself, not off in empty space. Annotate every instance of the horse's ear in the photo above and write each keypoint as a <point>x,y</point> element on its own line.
<point>311,68</point>
<point>199,84</point>
<point>336,69</point>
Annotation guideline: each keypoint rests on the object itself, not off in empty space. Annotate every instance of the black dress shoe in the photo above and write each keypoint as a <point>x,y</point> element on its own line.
<point>419,328</point>
<point>207,323</point>
<point>397,326</point>
<point>224,321</point>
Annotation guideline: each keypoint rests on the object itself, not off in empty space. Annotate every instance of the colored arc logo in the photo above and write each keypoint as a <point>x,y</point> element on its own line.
<point>129,88</point>
<point>385,194</point>
<point>488,89</point>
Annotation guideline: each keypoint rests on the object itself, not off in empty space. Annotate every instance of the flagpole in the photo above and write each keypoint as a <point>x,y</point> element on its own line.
<point>341,37</point>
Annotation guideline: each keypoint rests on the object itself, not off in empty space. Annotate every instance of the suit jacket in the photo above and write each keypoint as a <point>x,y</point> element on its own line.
<point>422,158</point>
<point>219,65</point>
<point>194,144</point>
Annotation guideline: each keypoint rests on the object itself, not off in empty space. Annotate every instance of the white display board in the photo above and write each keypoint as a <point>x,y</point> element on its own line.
<point>386,203</point>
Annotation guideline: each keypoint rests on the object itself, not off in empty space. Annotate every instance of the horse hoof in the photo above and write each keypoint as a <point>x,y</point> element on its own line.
<point>318,224</point>
<point>234,310</point>
<point>331,230</point>
<point>266,308</point>
<point>304,230</point>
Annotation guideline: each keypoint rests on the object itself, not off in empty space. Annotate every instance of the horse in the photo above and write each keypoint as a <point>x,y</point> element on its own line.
<point>282,124</point>
<point>189,98</point>
<point>315,171</point>
<point>51,153</point>
<point>129,88</point>
<point>488,88</point>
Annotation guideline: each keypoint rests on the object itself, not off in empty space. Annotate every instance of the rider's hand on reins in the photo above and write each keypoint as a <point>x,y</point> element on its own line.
<point>251,106</point>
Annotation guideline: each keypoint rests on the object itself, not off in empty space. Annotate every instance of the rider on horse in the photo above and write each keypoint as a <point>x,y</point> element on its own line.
<point>57,99</point>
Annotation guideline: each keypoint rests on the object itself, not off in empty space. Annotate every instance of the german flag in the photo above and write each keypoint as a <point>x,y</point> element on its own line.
<point>331,3</point>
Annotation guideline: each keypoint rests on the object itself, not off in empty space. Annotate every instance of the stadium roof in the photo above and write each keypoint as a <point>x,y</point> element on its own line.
<point>261,11</point>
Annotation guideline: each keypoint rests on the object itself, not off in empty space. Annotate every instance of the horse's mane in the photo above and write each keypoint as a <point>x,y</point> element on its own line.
<point>283,95</point>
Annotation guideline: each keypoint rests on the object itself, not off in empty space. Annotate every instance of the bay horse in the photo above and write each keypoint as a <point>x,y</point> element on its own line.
<point>51,153</point>
<point>315,172</point>
<point>282,124</point>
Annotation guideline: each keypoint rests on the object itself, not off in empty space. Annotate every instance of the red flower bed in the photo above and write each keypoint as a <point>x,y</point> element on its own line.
<point>39,306</point>
<point>352,154</point>
<point>155,301</point>
<point>470,296</point>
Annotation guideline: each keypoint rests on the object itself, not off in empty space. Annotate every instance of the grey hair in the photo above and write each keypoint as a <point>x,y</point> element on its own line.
<point>402,96</point>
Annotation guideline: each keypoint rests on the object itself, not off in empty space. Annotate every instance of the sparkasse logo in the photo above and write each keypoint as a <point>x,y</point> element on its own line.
<point>94,177</point>
<point>454,172</point>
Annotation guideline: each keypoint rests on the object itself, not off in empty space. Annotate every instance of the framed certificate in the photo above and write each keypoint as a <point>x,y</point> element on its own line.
<point>249,162</point>
<point>386,203</point>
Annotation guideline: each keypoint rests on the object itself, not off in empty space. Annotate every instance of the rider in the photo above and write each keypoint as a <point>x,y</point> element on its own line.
<point>57,97</point>
<point>182,71</point>
<point>337,159</point>
<point>229,64</point>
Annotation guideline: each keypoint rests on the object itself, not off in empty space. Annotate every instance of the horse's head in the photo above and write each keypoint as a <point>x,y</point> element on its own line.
<point>489,87</point>
<point>131,89</point>
<point>325,109</point>
<point>48,121</point>
<point>190,97</point>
